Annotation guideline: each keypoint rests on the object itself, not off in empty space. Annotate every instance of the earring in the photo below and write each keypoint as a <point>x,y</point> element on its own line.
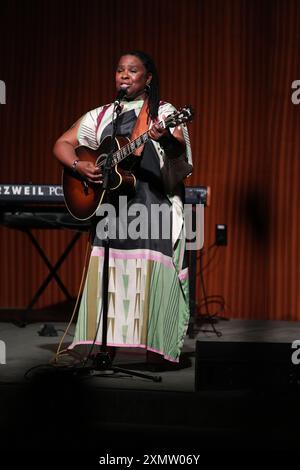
<point>147,88</point>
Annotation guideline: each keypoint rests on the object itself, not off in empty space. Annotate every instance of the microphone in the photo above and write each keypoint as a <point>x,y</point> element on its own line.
<point>121,93</point>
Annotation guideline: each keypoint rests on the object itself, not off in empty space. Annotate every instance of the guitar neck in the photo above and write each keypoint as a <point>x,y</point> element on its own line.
<point>183,115</point>
<point>123,152</point>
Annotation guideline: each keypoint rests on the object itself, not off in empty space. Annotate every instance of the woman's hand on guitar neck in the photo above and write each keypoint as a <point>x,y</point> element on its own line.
<point>156,131</point>
<point>89,171</point>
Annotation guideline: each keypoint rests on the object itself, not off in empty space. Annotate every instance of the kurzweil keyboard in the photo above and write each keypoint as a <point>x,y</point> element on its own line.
<point>28,206</point>
<point>20,194</point>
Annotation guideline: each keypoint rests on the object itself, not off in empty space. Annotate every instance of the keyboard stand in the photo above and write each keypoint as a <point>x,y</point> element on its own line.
<point>52,273</point>
<point>53,269</point>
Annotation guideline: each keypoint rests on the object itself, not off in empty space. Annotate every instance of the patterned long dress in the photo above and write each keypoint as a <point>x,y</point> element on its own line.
<point>148,304</point>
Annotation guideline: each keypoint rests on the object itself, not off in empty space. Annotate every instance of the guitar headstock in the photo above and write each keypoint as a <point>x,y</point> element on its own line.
<point>184,114</point>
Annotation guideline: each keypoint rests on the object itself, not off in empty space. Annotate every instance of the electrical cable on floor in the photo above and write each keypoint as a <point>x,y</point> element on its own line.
<point>208,300</point>
<point>83,277</point>
<point>70,369</point>
<point>207,315</point>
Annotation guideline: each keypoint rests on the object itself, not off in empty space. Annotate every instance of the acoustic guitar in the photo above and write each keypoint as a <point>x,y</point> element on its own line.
<point>83,198</point>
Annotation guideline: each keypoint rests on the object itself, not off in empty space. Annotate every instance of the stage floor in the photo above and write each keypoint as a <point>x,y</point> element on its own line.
<point>132,414</point>
<point>25,348</point>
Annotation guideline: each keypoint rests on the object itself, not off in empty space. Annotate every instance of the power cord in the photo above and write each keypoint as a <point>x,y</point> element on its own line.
<point>204,314</point>
<point>60,352</point>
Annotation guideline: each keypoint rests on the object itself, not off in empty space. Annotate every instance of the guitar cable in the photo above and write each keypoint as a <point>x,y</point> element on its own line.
<point>60,352</point>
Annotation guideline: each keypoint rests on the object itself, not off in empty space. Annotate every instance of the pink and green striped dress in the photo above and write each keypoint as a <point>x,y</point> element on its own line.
<point>148,301</point>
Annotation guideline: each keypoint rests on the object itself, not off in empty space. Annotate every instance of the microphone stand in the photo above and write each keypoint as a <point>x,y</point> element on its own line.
<point>102,360</point>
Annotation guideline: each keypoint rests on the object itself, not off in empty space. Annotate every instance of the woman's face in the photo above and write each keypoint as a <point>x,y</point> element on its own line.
<point>132,75</point>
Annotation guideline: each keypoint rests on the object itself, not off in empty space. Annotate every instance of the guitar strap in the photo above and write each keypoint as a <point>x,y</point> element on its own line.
<point>141,125</point>
<point>100,117</point>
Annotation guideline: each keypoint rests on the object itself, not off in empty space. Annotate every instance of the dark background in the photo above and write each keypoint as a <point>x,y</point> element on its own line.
<point>234,61</point>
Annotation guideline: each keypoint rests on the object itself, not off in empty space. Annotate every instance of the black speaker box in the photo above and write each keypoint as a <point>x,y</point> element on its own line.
<point>244,365</point>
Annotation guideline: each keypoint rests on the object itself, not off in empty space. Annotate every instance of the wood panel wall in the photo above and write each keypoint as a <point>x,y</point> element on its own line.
<point>234,61</point>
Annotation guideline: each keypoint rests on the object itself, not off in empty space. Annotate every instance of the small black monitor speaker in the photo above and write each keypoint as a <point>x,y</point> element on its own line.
<point>244,365</point>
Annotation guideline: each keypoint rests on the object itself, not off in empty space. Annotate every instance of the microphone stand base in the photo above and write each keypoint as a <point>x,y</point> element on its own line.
<point>102,362</point>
